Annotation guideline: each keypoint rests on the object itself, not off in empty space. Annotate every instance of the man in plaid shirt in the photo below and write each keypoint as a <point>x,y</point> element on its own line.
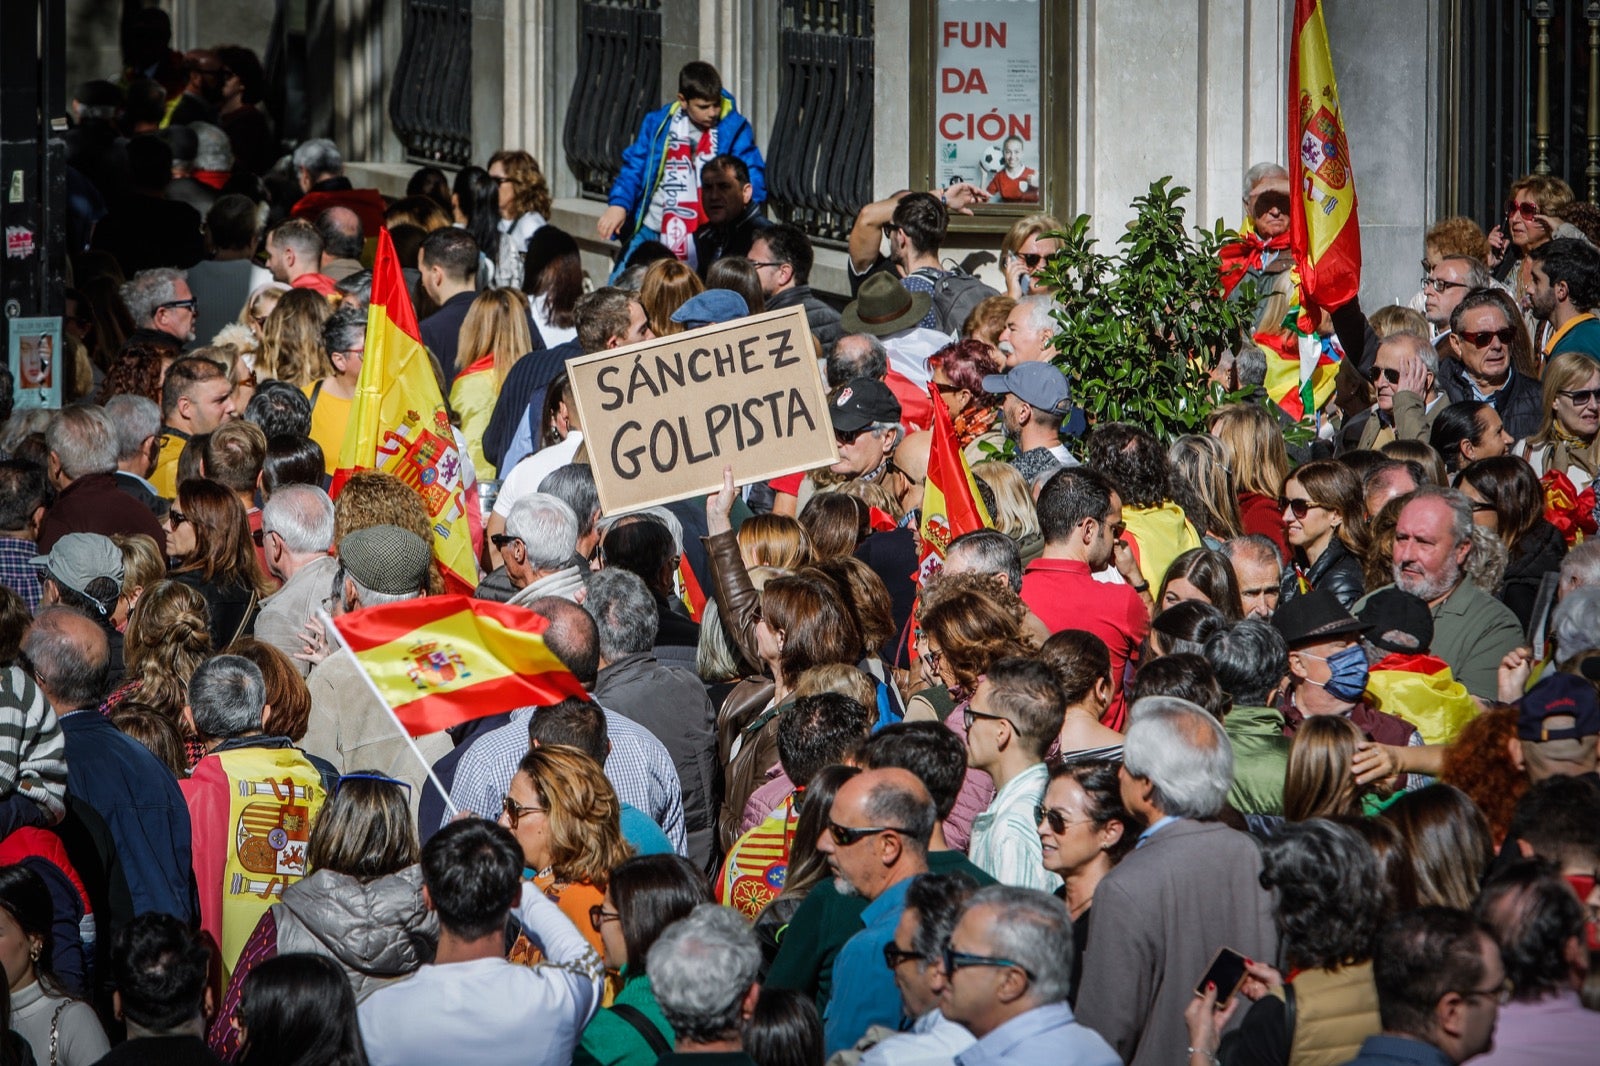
<point>22,506</point>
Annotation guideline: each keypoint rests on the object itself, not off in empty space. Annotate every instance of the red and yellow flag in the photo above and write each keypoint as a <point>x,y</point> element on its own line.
<point>951,505</point>
<point>443,660</point>
<point>398,422</point>
<point>1322,202</point>
<point>1422,690</point>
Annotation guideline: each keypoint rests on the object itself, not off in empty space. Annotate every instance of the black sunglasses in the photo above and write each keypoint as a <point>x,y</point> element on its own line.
<point>844,437</point>
<point>846,835</point>
<point>1580,397</point>
<point>1301,508</point>
<point>960,960</point>
<point>1031,260</point>
<point>893,956</point>
<point>500,540</point>
<point>189,304</point>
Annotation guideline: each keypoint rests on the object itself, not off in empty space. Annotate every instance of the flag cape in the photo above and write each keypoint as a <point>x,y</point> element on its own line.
<point>398,422</point>
<point>444,660</point>
<point>1323,228</point>
<point>472,396</point>
<point>753,873</point>
<point>951,505</point>
<point>1421,690</point>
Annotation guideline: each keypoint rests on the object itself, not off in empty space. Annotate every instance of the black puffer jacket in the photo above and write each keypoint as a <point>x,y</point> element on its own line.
<point>1338,571</point>
<point>1540,552</point>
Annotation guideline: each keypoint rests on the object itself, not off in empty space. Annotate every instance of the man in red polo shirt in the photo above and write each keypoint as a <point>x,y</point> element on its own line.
<point>1080,516</point>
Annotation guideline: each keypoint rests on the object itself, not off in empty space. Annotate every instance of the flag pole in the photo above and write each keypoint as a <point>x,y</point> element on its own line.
<point>405,734</point>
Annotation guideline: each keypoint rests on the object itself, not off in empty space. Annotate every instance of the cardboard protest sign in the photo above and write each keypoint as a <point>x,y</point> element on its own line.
<point>661,419</point>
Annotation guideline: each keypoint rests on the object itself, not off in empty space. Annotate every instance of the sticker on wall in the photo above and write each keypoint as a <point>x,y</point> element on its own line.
<point>19,242</point>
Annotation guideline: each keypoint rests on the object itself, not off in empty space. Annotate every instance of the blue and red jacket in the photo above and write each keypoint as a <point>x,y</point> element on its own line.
<point>644,160</point>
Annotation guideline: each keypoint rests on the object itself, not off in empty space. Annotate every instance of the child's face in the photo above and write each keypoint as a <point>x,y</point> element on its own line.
<point>703,113</point>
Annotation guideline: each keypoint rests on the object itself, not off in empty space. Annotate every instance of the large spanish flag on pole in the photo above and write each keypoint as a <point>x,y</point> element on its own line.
<point>1322,202</point>
<point>398,422</point>
<point>443,660</point>
<point>951,505</point>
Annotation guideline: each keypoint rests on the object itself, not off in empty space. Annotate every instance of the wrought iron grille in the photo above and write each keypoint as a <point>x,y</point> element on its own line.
<point>619,82</point>
<point>819,161</point>
<point>430,105</point>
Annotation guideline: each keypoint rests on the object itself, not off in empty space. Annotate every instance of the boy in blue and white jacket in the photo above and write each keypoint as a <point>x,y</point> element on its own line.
<point>656,196</point>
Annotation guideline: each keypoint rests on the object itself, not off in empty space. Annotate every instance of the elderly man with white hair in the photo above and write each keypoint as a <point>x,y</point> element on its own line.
<point>1190,886</point>
<point>1029,328</point>
<point>296,537</point>
<point>82,467</point>
<point>1405,377</point>
<point>705,973</point>
<point>538,553</point>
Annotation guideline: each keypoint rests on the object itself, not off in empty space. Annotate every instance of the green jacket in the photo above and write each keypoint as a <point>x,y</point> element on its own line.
<point>1473,631</point>
<point>1260,759</point>
<point>608,1040</point>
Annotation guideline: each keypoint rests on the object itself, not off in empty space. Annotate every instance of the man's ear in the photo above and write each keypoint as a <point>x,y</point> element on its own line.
<point>427,898</point>
<point>1524,848</point>
<point>266,716</point>
<point>188,719</point>
<point>1514,749</point>
<point>747,1006</point>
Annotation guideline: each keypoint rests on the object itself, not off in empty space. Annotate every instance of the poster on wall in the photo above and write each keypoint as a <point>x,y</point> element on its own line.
<point>987,117</point>
<point>34,361</point>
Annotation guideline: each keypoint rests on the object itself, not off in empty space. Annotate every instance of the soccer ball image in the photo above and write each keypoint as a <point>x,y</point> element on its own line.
<point>993,158</point>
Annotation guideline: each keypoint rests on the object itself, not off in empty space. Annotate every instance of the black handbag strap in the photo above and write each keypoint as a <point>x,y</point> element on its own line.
<point>645,1027</point>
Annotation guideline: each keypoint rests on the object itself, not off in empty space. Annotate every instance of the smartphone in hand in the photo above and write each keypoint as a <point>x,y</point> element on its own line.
<point>1226,972</point>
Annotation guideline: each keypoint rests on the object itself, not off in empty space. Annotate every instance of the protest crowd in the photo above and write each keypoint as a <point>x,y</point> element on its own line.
<point>1243,747</point>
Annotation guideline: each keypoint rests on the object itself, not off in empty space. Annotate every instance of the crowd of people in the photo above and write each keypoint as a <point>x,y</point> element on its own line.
<point>1198,752</point>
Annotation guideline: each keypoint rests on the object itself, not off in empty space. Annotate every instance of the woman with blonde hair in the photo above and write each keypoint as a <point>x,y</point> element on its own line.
<point>291,338</point>
<point>259,305</point>
<point>1568,441</point>
<point>1014,515</point>
<point>667,286</point>
<point>1202,471</point>
<point>1325,520</point>
<point>1024,252</point>
<point>524,207</point>
<point>142,567</point>
<point>774,540</point>
<point>1260,465</point>
<point>494,337</point>
<point>988,320</point>
<point>567,820</point>
<point>168,637</point>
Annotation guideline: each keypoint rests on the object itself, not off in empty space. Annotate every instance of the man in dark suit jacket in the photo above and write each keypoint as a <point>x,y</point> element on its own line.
<point>138,422</point>
<point>1190,887</point>
<point>83,456</point>
<point>448,261</point>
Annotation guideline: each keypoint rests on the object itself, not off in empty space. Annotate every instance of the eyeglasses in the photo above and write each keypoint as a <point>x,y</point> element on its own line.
<point>190,304</point>
<point>759,263</point>
<point>891,227</point>
<point>1580,397</point>
<point>175,518</point>
<point>260,536</point>
<point>893,956</point>
<point>500,540</point>
<point>370,777</point>
<point>1523,208</point>
<point>1501,993</point>
<point>1301,508</point>
<point>1441,285</point>
<point>846,835</point>
<point>515,811</point>
<point>1481,508</point>
<point>1389,374</point>
<point>960,960</point>
<point>1031,260</point>
<point>969,715</point>
<point>1481,338</point>
<point>946,390</point>
<point>598,916</point>
<point>1058,821</point>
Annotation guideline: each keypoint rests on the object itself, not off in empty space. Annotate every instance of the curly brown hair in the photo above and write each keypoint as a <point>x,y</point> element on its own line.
<point>136,370</point>
<point>1479,764</point>
<point>168,636</point>
<point>976,622</point>
<point>533,191</point>
<point>373,498</point>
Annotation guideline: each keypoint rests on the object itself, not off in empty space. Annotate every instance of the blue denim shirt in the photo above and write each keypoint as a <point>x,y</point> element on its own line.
<point>864,992</point>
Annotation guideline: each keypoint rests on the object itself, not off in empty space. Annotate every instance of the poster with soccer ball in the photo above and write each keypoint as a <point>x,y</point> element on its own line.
<point>987,117</point>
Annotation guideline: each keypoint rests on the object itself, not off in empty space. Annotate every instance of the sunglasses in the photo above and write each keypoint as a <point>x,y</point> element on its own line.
<point>515,811</point>
<point>894,956</point>
<point>1526,210</point>
<point>1580,397</point>
<point>1389,374</point>
<point>1481,338</point>
<point>500,540</point>
<point>946,390</point>
<point>175,518</point>
<point>1300,507</point>
<point>260,536</point>
<point>844,437</point>
<point>188,305</point>
<point>1441,285</point>
<point>369,777</point>
<point>846,835</point>
<point>1058,821</point>
<point>960,960</point>
<point>598,916</point>
<point>1031,260</point>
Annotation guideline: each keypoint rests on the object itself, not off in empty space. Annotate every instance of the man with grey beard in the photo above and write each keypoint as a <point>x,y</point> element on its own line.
<point>1472,631</point>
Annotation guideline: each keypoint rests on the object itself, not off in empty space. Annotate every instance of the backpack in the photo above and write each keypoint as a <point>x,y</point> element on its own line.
<point>955,294</point>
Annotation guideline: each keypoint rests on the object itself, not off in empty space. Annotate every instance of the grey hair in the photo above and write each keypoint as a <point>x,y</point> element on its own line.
<point>893,804</point>
<point>1575,625</point>
<point>74,671</point>
<point>1256,545</point>
<point>1251,364</point>
<point>84,439</point>
<point>318,156</point>
<point>370,597</point>
<point>700,969</point>
<point>624,612</point>
<point>986,551</point>
<point>715,658</point>
<point>214,152</point>
<point>547,527</point>
<point>843,367</point>
<point>1581,566</point>
<point>1420,346</point>
<point>1486,563</point>
<point>1261,171</point>
<point>136,418</point>
<point>1184,754</point>
<point>1460,508</point>
<point>226,696</point>
<point>1041,313</point>
<point>574,485</point>
<point>1249,658</point>
<point>345,330</point>
<point>303,516</point>
<point>148,290</point>
<point>1478,276</point>
<point>1033,930</point>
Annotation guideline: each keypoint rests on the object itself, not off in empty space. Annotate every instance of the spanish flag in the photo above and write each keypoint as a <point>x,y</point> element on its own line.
<point>1422,690</point>
<point>444,660</point>
<point>951,505</point>
<point>1322,202</point>
<point>398,422</point>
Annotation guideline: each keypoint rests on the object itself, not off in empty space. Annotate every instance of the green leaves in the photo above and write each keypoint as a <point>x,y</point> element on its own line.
<point>1142,327</point>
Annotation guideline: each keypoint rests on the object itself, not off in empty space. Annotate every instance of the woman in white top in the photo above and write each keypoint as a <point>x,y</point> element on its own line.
<point>1569,439</point>
<point>41,1012</point>
<point>524,206</point>
<point>553,279</point>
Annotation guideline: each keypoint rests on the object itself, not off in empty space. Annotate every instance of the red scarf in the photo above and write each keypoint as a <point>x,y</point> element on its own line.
<point>1246,254</point>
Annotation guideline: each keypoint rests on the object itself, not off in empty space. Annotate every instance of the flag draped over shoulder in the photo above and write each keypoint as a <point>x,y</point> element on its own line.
<point>951,505</point>
<point>1322,202</point>
<point>444,660</point>
<point>398,422</point>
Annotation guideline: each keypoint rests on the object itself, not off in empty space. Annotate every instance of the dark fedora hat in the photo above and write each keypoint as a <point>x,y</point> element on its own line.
<point>883,306</point>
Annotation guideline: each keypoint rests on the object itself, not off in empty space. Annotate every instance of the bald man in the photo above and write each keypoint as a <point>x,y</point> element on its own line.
<point>875,842</point>
<point>342,242</point>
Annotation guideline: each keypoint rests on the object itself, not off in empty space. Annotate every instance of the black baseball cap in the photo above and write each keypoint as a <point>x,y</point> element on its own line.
<point>861,402</point>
